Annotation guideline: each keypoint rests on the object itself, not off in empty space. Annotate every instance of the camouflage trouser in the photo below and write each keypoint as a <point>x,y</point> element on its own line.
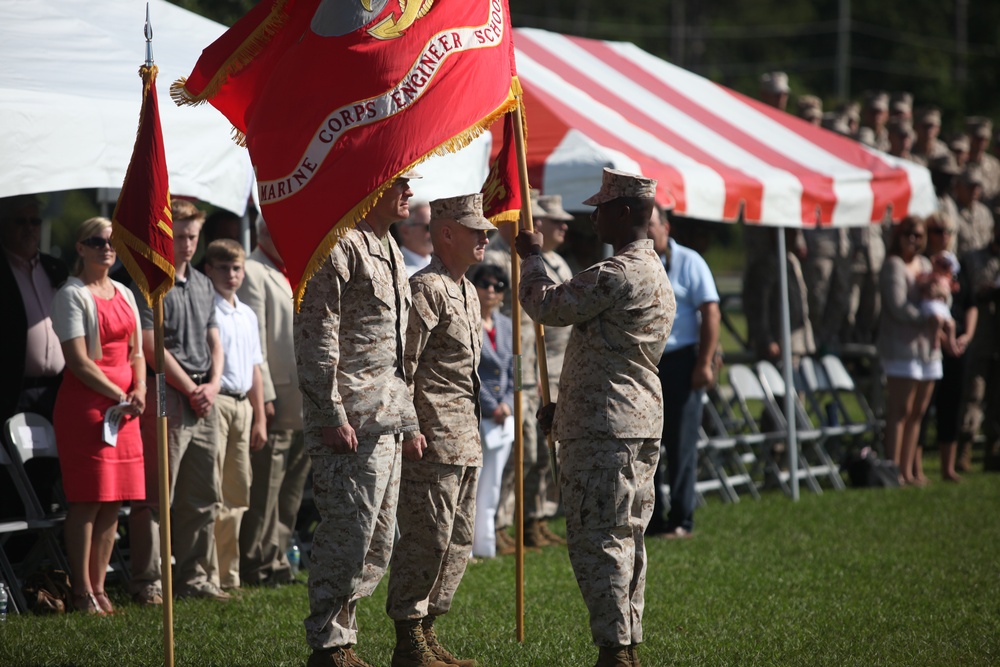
<point>607,492</point>
<point>534,482</point>
<point>355,495</point>
<point>437,514</point>
<point>981,407</point>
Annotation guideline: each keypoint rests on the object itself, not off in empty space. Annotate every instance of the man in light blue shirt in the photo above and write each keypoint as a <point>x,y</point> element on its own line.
<point>685,371</point>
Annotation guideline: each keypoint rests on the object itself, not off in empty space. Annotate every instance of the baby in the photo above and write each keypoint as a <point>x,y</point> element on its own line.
<point>936,288</point>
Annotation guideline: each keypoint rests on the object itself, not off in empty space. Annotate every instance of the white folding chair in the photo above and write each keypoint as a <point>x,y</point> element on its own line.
<point>729,457</point>
<point>747,389</point>
<point>811,440</point>
<point>851,401</point>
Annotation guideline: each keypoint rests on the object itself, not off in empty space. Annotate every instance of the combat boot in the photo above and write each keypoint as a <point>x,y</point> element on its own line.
<point>533,537</point>
<point>615,656</point>
<point>439,651</point>
<point>505,543</point>
<point>339,656</point>
<point>553,538</point>
<point>411,647</point>
<point>634,650</point>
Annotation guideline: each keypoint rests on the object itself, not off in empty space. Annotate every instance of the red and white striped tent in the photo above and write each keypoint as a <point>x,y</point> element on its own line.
<point>591,104</point>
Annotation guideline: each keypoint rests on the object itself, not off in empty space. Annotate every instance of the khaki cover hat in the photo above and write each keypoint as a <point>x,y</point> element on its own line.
<point>552,208</point>
<point>959,144</point>
<point>466,210</point>
<point>536,210</point>
<point>927,116</point>
<point>979,126</point>
<point>946,164</point>
<point>774,82</point>
<point>878,100</point>
<point>615,184</point>
<point>972,176</point>
<point>411,174</point>
<point>900,126</point>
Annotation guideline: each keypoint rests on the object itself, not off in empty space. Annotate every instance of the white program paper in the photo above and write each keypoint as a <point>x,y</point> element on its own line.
<point>113,419</point>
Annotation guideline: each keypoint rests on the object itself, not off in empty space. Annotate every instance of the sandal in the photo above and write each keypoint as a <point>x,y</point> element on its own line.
<point>86,602</point>
<point>104,602</point>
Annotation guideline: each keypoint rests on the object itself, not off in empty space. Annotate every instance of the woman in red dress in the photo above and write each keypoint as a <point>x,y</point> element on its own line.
<point>97,322</point>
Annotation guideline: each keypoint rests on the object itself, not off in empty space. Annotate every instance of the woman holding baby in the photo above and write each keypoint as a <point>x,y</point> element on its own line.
<point>909,345</point>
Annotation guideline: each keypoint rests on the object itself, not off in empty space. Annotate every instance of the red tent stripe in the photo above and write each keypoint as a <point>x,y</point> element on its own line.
<point>739,186</point>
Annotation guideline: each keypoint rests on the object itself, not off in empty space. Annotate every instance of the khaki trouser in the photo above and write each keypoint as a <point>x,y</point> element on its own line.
<point>534,483</point>
<point>235,420</point>
<point>195,492</point>
<point>279,473</point>
<point>355,495</point>
<point>437,514</point>
<point>607,491</point>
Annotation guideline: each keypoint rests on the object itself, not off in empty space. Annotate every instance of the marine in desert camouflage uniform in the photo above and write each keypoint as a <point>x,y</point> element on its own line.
<point>349,351</point>
<point>609,416</point>
<point>437,496</point>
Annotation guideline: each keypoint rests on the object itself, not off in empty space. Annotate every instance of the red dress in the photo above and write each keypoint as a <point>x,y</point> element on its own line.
<point>93,471</point>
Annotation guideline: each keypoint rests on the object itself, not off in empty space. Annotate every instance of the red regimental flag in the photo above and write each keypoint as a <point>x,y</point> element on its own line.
<point>335,98</point>
<point>502,191</point>
<point>142,230</point>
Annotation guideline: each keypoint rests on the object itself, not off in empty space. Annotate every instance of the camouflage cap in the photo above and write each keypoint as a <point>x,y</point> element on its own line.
<point>615,184</point>
<point>466,210</point>
<point>552,208</point>
<point>837,122</point>
<point>972,175</point>
<point>536,210</point>
<point>945,164</point>
<point>979,126</point>
<point>812,114</point>
<point>877,100</point>
<point>901,102</point>
<point>411,174</point>
<point>850,110</point>
<point>959,144</point>
<point>927,116</point>
<point>774,82</point>
<point>900,126</point>
<point>809,101</point>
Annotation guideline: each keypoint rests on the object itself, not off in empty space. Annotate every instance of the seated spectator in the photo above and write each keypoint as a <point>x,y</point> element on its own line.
<point>242,423</point>
<point>911,362</point>
<point>496,398</point>
<point>97,322</point>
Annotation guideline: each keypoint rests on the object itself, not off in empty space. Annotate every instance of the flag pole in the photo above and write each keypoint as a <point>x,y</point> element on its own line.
<point>162,451</point>
<point>543,371</point>
<point>543,364</point>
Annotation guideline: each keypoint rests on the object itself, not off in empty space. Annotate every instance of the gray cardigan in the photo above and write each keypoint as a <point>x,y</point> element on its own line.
<point>904,333</point>
<point>74,315</point>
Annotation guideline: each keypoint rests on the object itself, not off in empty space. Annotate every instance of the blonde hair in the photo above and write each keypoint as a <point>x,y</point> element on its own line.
<point>89,227</point>
<point>224,250</point>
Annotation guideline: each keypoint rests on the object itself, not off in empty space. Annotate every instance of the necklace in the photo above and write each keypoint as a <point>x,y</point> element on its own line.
<point>104,290</point>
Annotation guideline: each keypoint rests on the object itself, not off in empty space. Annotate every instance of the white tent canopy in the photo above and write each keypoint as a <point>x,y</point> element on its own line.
<point>70,97</point>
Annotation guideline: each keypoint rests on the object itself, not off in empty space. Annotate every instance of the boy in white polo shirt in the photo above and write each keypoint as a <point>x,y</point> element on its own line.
<point>242,423</point>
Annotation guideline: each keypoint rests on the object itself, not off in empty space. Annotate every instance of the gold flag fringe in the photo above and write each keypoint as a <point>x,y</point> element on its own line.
<point>358,213</point>
<point>125,243</point>
<point>251,47</point>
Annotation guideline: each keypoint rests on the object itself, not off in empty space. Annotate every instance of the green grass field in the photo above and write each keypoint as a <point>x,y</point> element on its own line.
<point>861,577</point>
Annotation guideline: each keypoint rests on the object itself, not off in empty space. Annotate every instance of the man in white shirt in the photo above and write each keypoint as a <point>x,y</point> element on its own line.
<point>242,423</point>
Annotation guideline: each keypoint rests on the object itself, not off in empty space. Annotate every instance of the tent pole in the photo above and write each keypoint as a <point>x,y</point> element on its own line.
<point>786,362</point>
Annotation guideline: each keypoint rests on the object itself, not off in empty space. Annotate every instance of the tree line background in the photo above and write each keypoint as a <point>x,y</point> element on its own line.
<point>945,53</point>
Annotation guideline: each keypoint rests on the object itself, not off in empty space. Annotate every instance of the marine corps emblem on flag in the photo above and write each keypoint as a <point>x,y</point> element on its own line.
<point>335,98</point>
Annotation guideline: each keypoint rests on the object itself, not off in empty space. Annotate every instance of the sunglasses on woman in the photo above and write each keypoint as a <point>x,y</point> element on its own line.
<point>497,285</point>
<point>96,242</point>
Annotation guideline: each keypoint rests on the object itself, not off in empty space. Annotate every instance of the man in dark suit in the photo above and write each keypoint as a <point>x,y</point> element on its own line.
<point>32,357</point>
